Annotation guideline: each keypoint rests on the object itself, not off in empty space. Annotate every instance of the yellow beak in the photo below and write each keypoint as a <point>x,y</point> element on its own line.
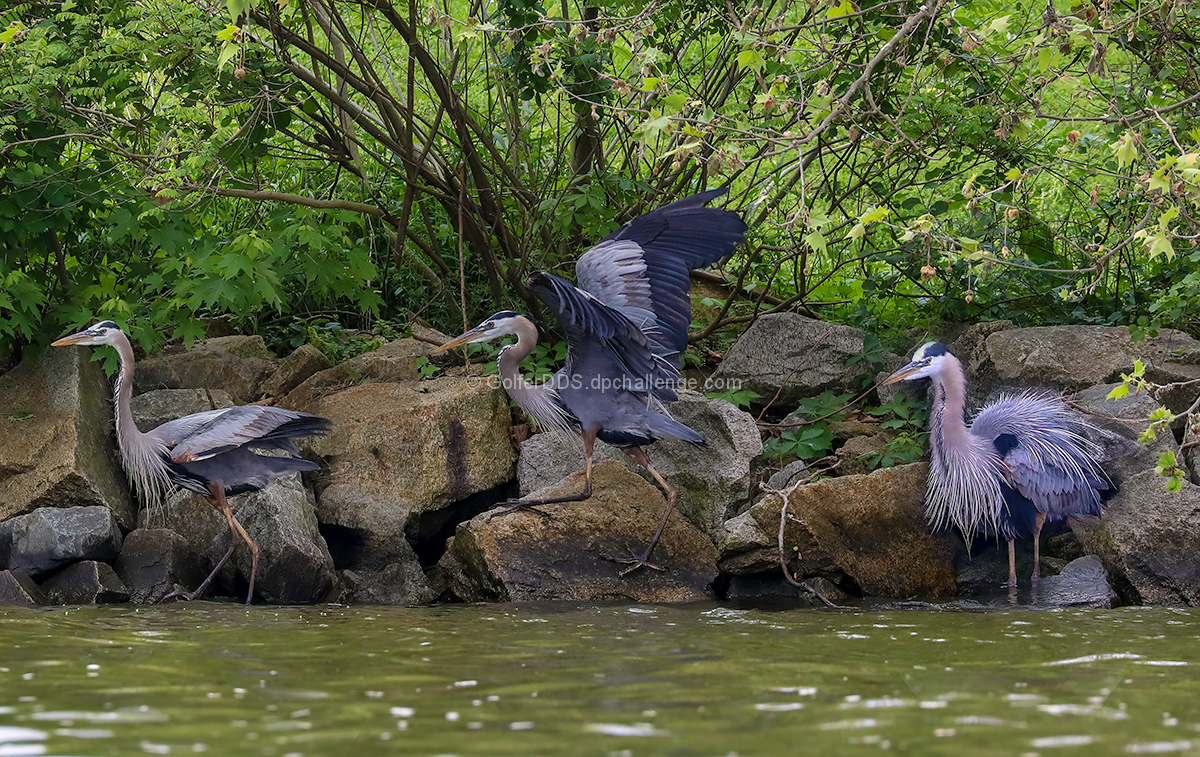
<point>901,374</point>
<point>459,340</point>
<point>67,341</point>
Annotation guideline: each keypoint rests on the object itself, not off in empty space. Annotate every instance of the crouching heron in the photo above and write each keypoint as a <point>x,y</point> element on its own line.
<point>1024,460</point>
<point>626,325</point>
<point>212,453</point>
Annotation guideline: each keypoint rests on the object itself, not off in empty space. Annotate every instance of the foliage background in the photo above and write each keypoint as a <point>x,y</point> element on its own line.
<point>313,167</point>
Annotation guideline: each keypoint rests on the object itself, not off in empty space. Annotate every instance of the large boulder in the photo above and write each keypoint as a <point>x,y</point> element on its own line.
<point>1148,537</point>
<point>791,356</point>
<point>525,556</point>
<point>85,583</point>
<point>294,565</point>
<point>712,480</point>
<point>294,369</point>
<point>1076,357</point>
<point>394,362</point>
<point>744,547</point>
<point>1082,583</point>
<point>872,528</point>
<point>1122,422</point>
<point>51,537</point>
<point>56,438</point>
<point>156,407</point>
<point>237,364</point>
<point>396,451</point>
<point>155,562</point>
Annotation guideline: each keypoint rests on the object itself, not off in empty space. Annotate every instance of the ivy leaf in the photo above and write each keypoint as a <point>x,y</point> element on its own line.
<point>1118,391</point>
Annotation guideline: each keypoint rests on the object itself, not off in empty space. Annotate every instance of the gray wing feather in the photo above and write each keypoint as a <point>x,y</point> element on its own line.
<point>1054,491</point>
<point>1053,463</point>
<point>223,430</point>
<point>641,269</point>
<point>172,432</point>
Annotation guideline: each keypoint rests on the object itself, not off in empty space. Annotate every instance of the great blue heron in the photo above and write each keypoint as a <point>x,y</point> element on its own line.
<point>212,453</point>
<point>626,326</point>
<point>1024,459</point>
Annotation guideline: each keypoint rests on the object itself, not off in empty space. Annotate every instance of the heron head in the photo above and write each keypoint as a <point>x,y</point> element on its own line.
<point>104,332</point>
<point>497,324</point>
<point>926,361</point>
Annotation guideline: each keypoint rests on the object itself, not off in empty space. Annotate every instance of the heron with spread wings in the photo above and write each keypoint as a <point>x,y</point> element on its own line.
<point>626,326</point>
<point>213,453</point>
<point>1024,459</point>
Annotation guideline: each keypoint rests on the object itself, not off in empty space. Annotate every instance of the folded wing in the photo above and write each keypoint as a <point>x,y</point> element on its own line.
<point>204,435</point>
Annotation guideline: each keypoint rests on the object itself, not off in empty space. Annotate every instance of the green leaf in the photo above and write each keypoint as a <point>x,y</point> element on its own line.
<point>752,60</point>
<point>237,8</point>
<point>844,8</point>
<point>816,241</point>
<point>228,50</point>
<point>1125,149</point>
<point>1045,57</point>
<point>9,34</point>
<point>1118,391</point>
<point>673,103</point>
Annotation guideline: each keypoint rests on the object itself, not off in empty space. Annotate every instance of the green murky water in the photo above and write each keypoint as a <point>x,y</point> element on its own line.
<point>566,679</point>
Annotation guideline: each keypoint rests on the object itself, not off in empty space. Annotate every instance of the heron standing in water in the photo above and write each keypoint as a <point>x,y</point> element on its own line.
<point>626,326</point>
<point>211,453</point>
<point>1024,460</point>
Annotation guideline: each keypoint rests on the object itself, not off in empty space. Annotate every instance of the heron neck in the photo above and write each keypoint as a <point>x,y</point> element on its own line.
<point>950,397</point>
<point>509,362</point>
<point>127,430</point>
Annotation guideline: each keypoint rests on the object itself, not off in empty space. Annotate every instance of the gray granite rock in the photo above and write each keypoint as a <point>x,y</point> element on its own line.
<point>155,562</point>
<point>57,447</point>
<point>156,407</point>
<point>85,583</point>
<point>1082,583</point>
<point>294,369</point>
<point>238,364</point>
<point>787,356</point>
<point>19,589</point>
<point>523,556</point>
<point>51,537</point>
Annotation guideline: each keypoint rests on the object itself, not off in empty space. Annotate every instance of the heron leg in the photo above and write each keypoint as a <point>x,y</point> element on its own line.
<point>638,455</point>
<point>199,590</point>
<point>512,505</point>
<point>1038,522</point>
<point>1012,571</point>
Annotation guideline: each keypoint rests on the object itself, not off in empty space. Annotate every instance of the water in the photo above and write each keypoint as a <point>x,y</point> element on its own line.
<point>611,680</point>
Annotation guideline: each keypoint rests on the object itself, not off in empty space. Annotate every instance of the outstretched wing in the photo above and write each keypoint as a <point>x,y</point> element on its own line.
<point>243,426</point>
<point>603,344</point>
<point>1048,458</point>
<point>641,269</point>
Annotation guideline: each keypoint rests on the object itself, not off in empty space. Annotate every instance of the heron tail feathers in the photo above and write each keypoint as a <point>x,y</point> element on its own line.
<point>663,426</point>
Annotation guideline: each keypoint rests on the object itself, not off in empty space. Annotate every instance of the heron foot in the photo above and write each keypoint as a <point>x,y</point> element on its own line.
<point>634,563</point>
<point>509,507</point>
<point>181,593</point>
